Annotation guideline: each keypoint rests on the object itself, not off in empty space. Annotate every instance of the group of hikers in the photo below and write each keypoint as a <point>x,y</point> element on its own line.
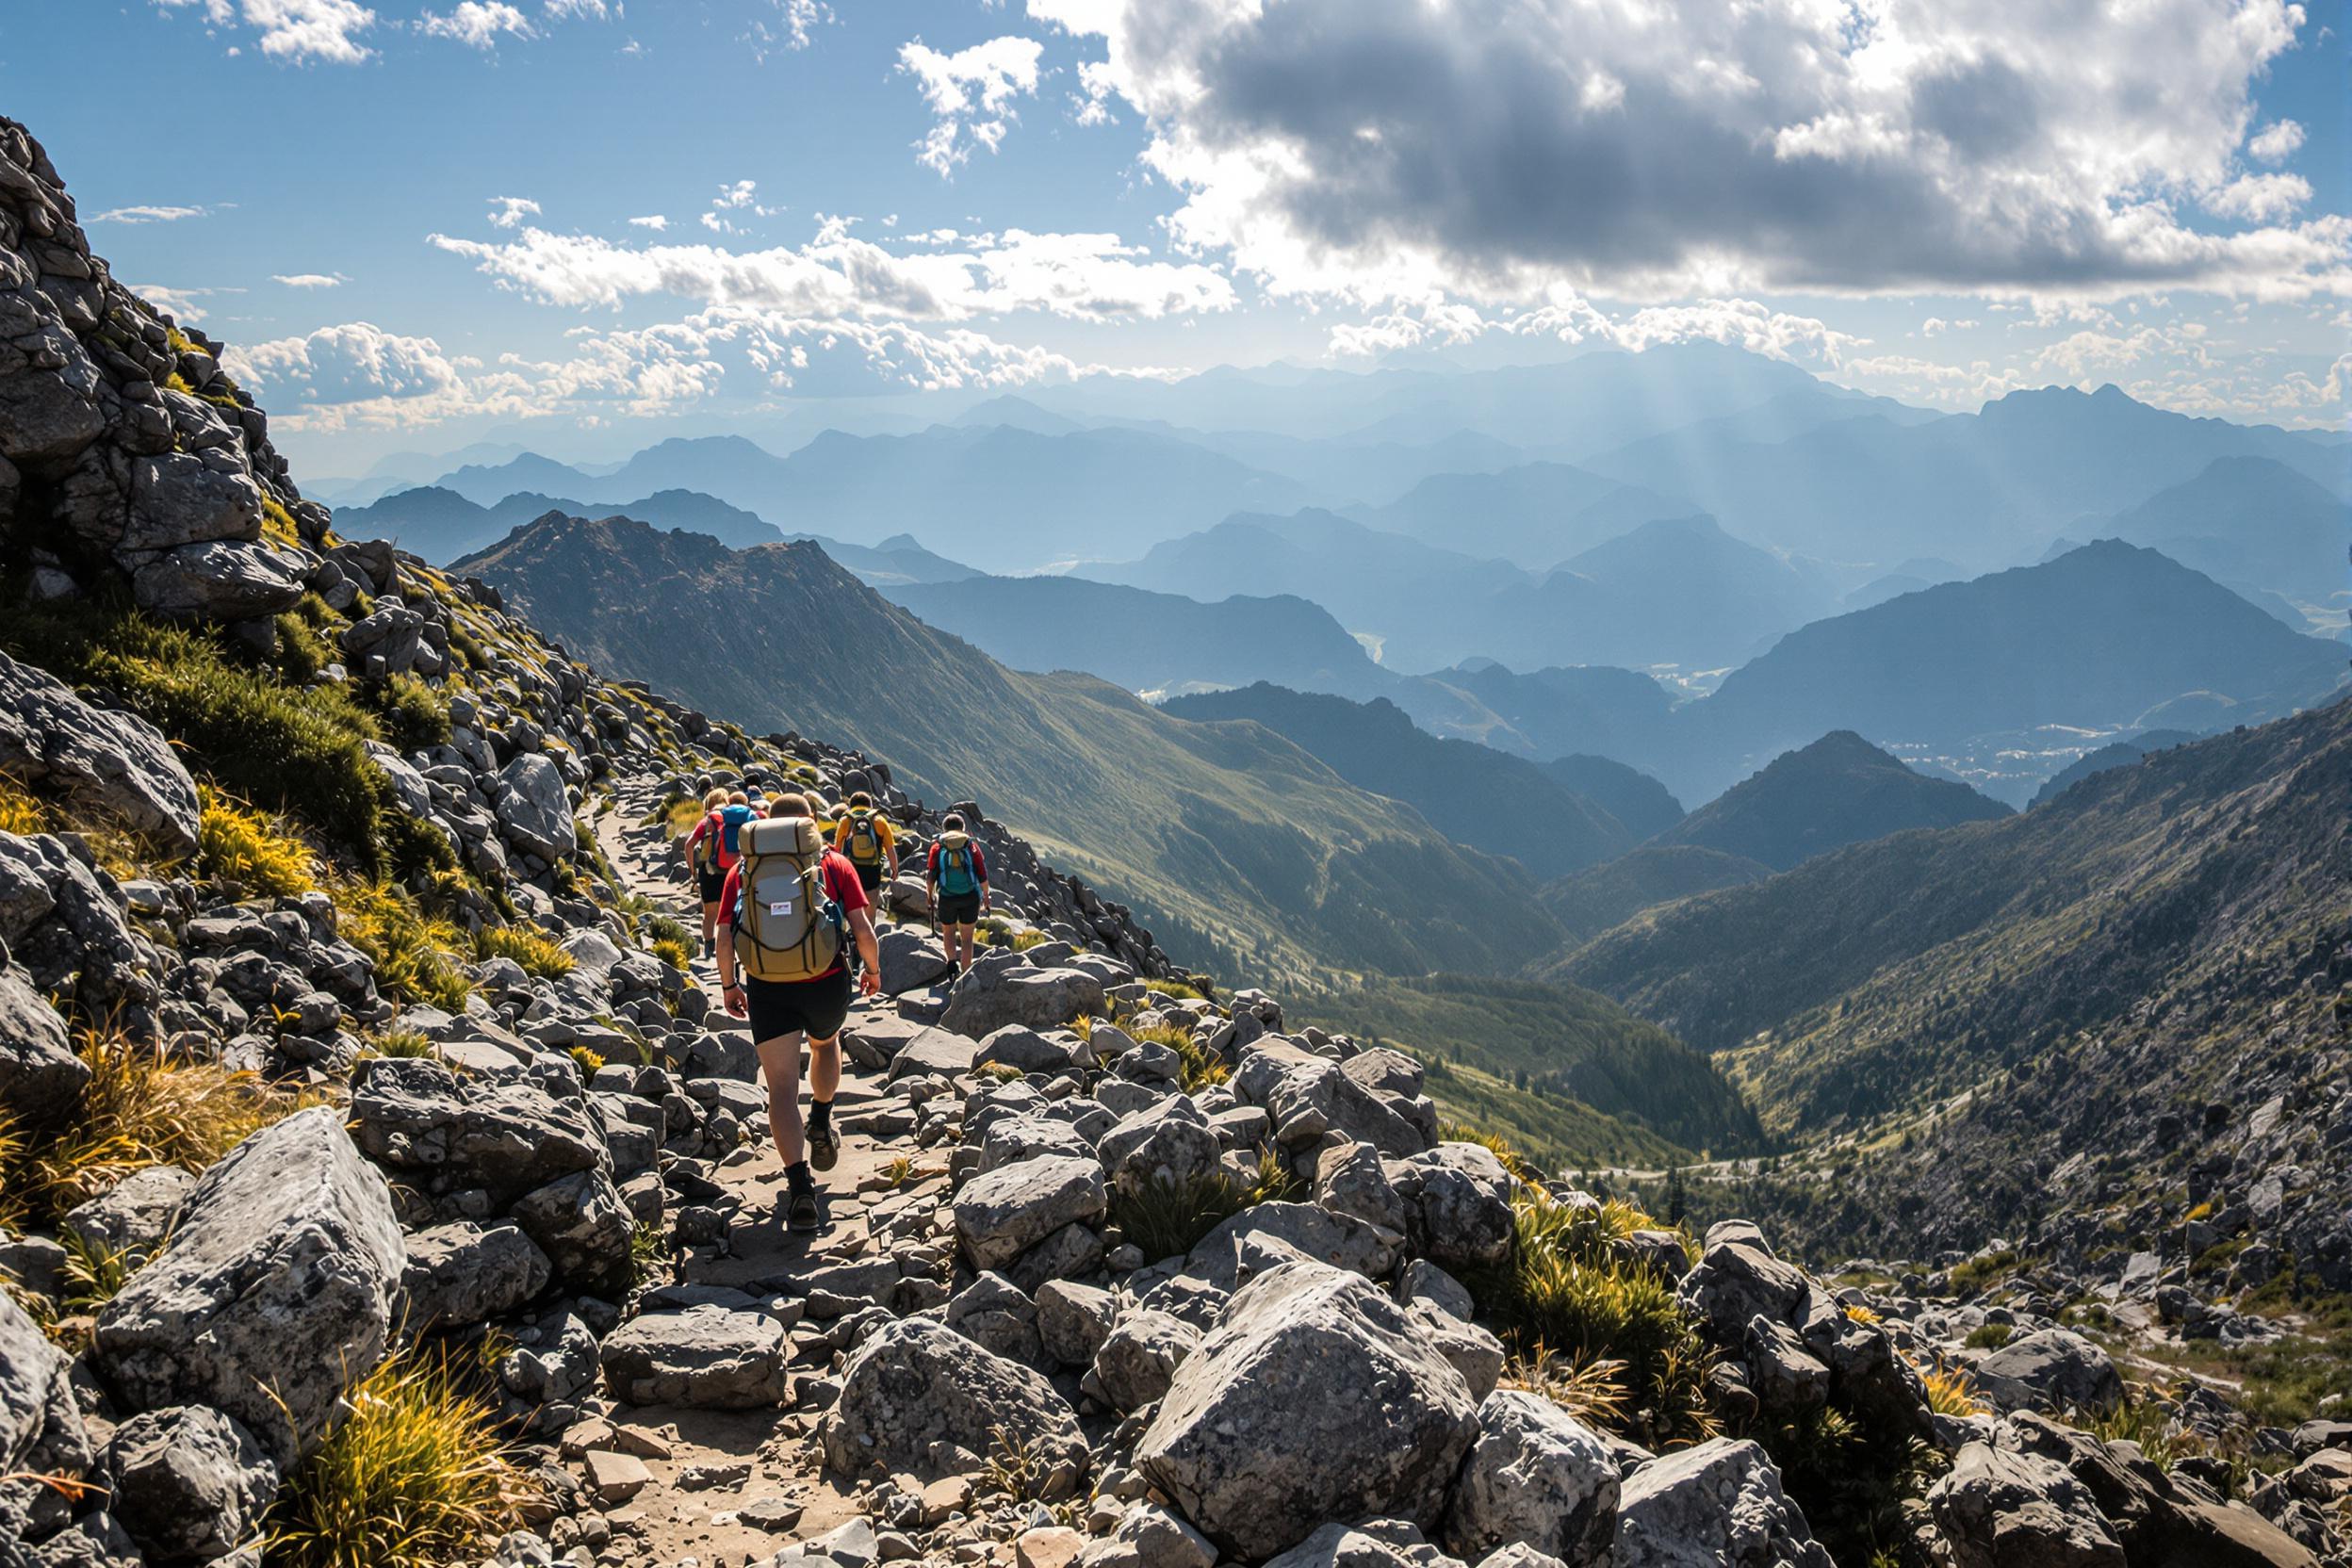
<point>789,916</point>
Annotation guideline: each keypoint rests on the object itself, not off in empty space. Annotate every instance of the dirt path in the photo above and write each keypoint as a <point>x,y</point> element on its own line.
<point>676,1519</point>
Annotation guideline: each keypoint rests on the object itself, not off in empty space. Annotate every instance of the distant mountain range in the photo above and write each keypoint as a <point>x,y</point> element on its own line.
<point>2114,754</point>
<point>2253,523</point>
<point>1839,791</point>
<point>1473,794</point>
<point>1226,838</point>
<point>1534,515</point>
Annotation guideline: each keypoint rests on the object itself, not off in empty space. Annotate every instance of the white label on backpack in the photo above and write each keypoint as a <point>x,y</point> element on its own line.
<point>783,907</point>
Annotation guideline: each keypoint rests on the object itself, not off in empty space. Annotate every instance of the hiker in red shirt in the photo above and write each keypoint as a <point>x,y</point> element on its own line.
<point>781,1011</point>
<point>708,854</point>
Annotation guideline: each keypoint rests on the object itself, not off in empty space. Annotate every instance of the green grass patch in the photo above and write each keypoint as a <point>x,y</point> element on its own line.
<point>535,952</point>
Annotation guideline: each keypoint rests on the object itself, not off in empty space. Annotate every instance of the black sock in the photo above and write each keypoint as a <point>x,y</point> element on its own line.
<point>796,1175</point>
<point>820,1112</point>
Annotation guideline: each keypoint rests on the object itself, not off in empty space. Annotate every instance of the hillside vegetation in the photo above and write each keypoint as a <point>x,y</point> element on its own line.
<point>1840,790</point>
<point>1223,835</point>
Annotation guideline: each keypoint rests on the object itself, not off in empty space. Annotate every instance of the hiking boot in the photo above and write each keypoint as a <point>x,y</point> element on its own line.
<point>824,1145</point>
<point>800,1208</point>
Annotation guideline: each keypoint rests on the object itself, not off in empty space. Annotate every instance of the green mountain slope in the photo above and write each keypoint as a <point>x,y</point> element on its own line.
<point>1563,1040</point>
<point>1224,836</point>
<point>1607,895</point>
<point>1645,806</point>
<point>1871,979</point>
<point>1840,790</point>
<point>1474,795</point>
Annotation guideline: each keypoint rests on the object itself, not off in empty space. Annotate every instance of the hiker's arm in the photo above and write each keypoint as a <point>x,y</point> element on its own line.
<point>730,990</point>
<point>861,923</point>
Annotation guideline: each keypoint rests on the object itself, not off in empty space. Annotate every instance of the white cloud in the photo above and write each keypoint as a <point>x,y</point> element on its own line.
<point>2275,143</point>
<point>653,221</point>
<point>564,10</point>
<point>1937,324</point>
<point>742,196</point>
<point>508,212</point>
<point>309,280</point>
<point>293,29</point>
<point>180,303</point>
<point>1082,276</point>
<point>2259,198</point>
<point>149,214</point>
<point>355,373</point>
<point>1491,149</point>
<point>969,94</point>
<point>797,20</point>
<point>477,23</point>
<point>1744,323</point>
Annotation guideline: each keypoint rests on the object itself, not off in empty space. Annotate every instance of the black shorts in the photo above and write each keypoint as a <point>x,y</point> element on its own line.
<point>869,878</point>
<point>710,885</point>
<point>817,1008</point>
<point>959,908</point>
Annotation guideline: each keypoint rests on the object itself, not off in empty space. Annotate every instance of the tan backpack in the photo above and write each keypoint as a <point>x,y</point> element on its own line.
<point>787,926</point>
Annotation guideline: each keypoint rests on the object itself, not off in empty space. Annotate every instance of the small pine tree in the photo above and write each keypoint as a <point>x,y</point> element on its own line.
<point>1677,1198</point>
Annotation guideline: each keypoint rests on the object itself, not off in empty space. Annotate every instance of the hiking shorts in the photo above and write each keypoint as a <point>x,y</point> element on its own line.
<point>869,878</point>
<point>959,908</point>
<point>711,884</point>
<point>817,1008</point>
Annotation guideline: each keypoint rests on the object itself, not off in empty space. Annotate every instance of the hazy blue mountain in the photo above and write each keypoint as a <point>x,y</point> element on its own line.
<point>486,484</point>
<point>2095,640</point>
<point>740,472</point>
<point>2114,754</point>
<point>1588,710</point>
<point>1645,806</point>
<point>1839,791</point>
<point>2249,521</point>
<point>1982,488</point>
<point>1535,515</point>
<point>1472,793</point>
<point>1018,414</point>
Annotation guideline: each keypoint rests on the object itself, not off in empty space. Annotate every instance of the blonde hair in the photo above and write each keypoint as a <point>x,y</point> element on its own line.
<point>791,806</point>
<point>715,799</point>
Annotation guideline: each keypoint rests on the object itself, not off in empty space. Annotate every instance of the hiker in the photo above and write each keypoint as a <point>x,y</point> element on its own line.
<point>793,905</point>
<point>867,837</point>
<point>958,876</point>
<point>710,851</point>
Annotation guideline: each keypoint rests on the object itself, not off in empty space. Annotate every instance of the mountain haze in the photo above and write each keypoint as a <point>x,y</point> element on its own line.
<point>1839,791</point>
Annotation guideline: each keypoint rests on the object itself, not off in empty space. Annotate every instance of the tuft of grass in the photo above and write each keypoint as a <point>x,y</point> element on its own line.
<point>897,1173</point>
<point>1202,1067</point>
<point>1590,1388</point>
<point>1988,1336</point>
<point>414,718</point>
<point>277,523</point>
<point>648,1255</point>
<point>668,928</point>
<point>400,1042</point>
<point>18,812</point>
<point>94,1272</point>
<point>1982,1273</point>
<point>536,953</point>
<point>1176,990</point>
<point>1167,1218</point>
<point>140,1108</point>
<point>415,1478</point>
<point>589,1061</point>
<point>413,952</point>
<point>1950,1392</point>
<point>237,844</point>
<point>673,953</point>
<point>1022,942</point>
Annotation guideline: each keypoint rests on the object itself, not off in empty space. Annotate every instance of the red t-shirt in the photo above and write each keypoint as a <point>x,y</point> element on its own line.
<point>841,885</point>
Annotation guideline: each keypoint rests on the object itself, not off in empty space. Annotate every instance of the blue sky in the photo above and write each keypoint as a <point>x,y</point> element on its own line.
<point>420,226</point>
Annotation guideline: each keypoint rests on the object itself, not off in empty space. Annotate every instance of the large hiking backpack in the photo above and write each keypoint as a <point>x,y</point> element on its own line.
<point>731,820</point>
<point>957,875</point>
<point>865,839</point>
<point>707,847</point>
<point>787,927</point>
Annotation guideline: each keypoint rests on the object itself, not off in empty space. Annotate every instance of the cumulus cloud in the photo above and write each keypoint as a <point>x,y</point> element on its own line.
<point>477,23</point>
<point>508,212</point>
<point>1379,149</point>
<point>309,280</point>
<point>179,303</point>
<point>352,363</point>
<point>2259,198</point>
<point>293,29</point>
<point>564,10</point>
<point>969,94</point>
<point>653,221</point>
<point>149,214</point>
<point>2275,143</point>
<point>836,276</point>
<point>796,25</point>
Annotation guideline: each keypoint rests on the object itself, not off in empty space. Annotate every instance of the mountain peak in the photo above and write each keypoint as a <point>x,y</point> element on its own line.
<point>1838,791</point>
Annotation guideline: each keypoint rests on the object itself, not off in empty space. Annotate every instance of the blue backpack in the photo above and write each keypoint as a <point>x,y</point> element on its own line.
<point>955,877</point>
<point>731,822</point>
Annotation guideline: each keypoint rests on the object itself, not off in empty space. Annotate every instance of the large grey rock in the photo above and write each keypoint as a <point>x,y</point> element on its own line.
<point>533,808</point>
<point>189,1483</point>
<point>1366,1544</point>
<point>440,1132</point>
<point>278,1289</point>
<point>990,995</point>
<point>68,929</point>
<point>40,1077</point>
<point>41,1425</point>
<point>2051,1369</point>
<point>1315,1097</point>
<point>221,579</point>
<point>1737,1279</point>
<point>177,499</point>
<point>1015,1139</point>
<point>707,1357</point>
<point>584,1226</point>
<point>1020,1047</point>
<point>1457,1198</point>
<point>1001,1215</point>
<point>95,1540</point>
<point>932,1050</point>
<point>1340,1240</point>
<point>2000,1510</point>
<point>1537,1476</point>
<point>1166,1144</point>
<point>998,1315</point>
<point>464,1273</point>
<point>1139,1357</point>
<point>1150,1536</point>
<point>1716,1506</point>
<point>1319,1398</point>
<point>115,766</point>
<point>1073,1320</point>
<point>1352,1179</point>
<point>912,959</point>
<point>917,1383</point>
<point>136,1213</point>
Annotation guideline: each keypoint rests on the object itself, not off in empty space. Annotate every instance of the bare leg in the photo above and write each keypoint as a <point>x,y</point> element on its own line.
<point>709,922</point>
<point>779,1062</point>
<point>825,1070</point>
